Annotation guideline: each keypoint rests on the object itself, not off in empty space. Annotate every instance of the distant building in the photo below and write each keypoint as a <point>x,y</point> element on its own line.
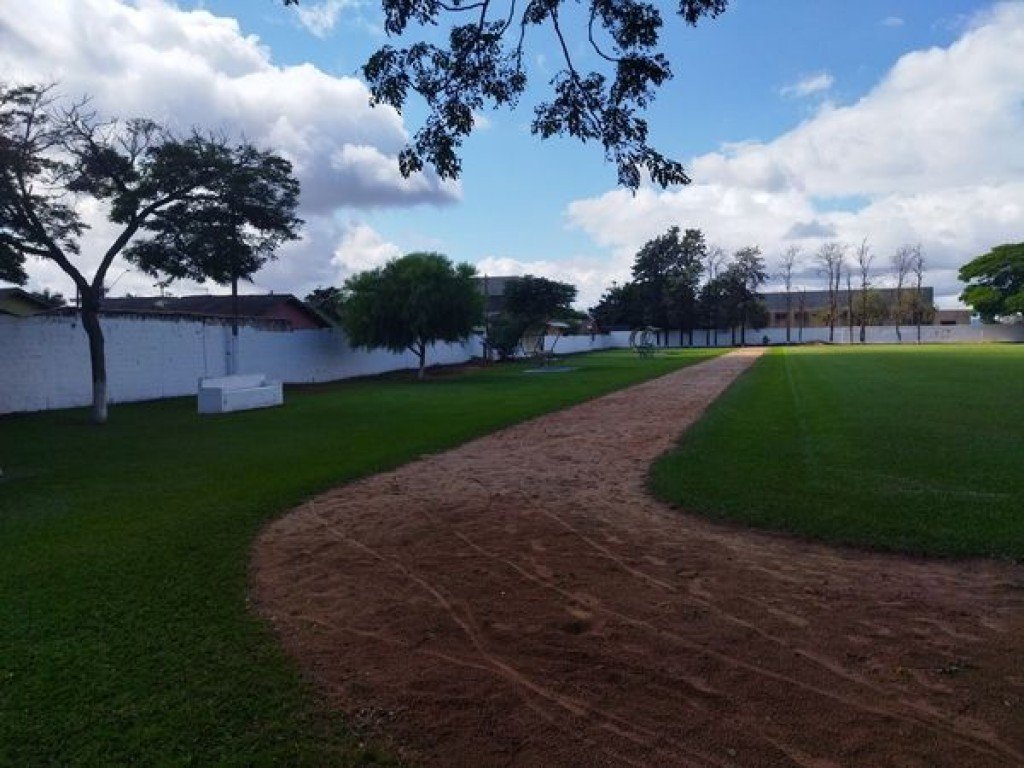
<point>282,307</point>
<point>21,303</point>
<point>814,307</point>
<point>493,289</point>
<point>953,317</point>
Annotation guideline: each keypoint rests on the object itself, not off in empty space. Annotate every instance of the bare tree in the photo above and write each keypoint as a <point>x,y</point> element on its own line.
<point>864,259</point>
<point>830,257</point>
<point>849,305</point>
<point>917,267</point>
<point>788,262</point>
<point>902,262</point>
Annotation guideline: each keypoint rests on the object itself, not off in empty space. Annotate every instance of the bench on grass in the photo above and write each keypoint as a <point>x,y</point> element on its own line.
<point>238,393</point>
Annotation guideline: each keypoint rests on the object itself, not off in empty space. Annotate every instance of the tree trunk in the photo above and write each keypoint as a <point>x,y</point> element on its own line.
<point>789,317</point>
<point>97,358</point>
<point>234,326</point>
<point>421,352</point>
<point>899,311</point>
<point>918,311</point>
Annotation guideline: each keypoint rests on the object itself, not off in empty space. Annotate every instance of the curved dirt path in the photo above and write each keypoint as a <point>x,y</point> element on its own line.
<point>522,601</point>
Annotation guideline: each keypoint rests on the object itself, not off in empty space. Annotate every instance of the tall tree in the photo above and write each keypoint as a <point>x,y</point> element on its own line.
<point>995,282</point>
<point>227,230</point>
<point>864,258</point>
<point>902,263</point>
<point>714,257</point>
<point>830,257</point>
<point>185,206</point>
<point>666,273</point>
<point>788,262</point>
<point>620,305</point>
<point>483,64</point>
<point>748,265</point>
<point>410,304</point>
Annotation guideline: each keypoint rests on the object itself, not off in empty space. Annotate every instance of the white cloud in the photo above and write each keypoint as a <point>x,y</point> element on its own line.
<point>321,18</point>
<point>892,21</point>
<point>591,275</point>
<point>809,85</point>
<point>361,248</point>
<point>932,154</point>
<point>194,68</point>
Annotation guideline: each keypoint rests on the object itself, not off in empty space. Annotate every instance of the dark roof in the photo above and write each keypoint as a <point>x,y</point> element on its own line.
<point>14,295</point>
<point>205,305</point>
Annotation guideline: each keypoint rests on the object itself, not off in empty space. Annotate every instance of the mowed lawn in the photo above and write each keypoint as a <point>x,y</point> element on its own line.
<point>125,636</point>
<point>919,449</point>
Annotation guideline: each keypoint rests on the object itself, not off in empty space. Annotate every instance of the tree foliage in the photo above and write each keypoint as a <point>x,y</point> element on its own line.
<point>483,64</point>
<point>194,207</point>
<point>664,289</point>
<point>529,301</point>
<point>536,299</point>
<point>995,282</point>
<point>410,303</point>
<point>326,301</point>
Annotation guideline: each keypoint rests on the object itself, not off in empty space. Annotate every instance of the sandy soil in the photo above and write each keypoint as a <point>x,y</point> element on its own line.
<point>522,601</point>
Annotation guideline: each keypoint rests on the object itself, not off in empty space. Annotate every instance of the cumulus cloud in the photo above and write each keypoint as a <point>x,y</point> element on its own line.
<point>321,18</point>
<point>809,85</point>
<point>590,274</point>
<point>934,151</point>
<point>194,68</point>
<point>361,248</point>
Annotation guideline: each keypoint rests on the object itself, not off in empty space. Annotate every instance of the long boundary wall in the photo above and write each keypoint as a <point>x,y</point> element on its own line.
<point>44,360</point>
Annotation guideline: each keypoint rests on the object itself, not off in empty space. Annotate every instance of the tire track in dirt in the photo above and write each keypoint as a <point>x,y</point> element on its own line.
<point>522,601</point>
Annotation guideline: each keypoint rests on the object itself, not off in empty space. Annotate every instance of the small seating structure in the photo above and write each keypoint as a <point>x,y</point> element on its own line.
<point>642,340</point>
<point>241,392</point>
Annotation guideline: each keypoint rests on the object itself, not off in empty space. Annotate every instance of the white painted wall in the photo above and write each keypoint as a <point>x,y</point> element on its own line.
<point>884,334</point>
<point>44,360</point>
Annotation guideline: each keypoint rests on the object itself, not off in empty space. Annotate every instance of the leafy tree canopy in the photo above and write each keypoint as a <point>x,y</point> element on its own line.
<point>482,64</point>
<point>326,301</point>
<point>194,207</point>
<point>995,282</point>
<point>411,303</point>
<point>536,299</point>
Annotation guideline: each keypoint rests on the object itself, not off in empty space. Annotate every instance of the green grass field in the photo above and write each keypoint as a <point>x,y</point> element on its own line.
<point>918,449</point>
<point>124,631</point>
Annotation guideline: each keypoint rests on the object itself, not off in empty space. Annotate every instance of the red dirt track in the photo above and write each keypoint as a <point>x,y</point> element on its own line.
<point>523,601</point>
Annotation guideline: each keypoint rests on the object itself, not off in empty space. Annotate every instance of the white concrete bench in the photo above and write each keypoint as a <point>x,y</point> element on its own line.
<point>238,393</point>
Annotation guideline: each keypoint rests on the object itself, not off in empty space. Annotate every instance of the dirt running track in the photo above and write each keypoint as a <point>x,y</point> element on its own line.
<point>522,601</point>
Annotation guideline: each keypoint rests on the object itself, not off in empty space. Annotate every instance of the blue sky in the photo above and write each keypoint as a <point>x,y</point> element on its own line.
<point>729,74</point>
<point>888,120</point>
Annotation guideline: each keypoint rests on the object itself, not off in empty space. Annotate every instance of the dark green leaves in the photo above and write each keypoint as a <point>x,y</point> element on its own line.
<point>481,66</point>
<point>995,281</point>
<point>410,303</point>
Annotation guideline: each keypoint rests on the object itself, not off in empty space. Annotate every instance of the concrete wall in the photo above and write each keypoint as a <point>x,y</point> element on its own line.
<point>884,334</point>
<point>45,359</point>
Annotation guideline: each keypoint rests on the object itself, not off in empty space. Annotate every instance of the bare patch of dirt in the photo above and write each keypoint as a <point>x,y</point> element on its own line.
<point>522,601</point>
